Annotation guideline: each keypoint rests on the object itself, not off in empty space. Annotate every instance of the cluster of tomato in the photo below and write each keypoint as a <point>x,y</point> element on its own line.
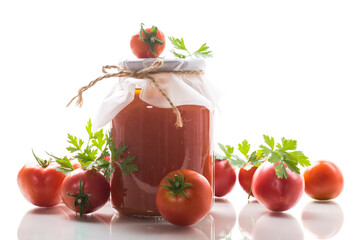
<point>85,191</point>
<point>44,185</point>
<point>321,181</point>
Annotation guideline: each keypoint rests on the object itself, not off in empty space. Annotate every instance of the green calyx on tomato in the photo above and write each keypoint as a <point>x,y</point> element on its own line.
<point>82,200</point>
<point>150,38</point>
<point>177,185</point>
<point>42,162</point>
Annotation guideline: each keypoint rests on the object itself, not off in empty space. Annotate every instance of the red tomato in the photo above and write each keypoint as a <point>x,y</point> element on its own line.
<point>75,163</point>
<point>225,177</point>
<point>276,194</point>
<point>323,180</point>
<point>40,185</point>
<point>185,202</point>
<point>152,44</point>
<point>87,189</point>
<point>245,178</point>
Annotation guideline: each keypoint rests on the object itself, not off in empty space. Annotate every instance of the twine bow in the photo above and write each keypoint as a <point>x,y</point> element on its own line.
<point>140,74</point>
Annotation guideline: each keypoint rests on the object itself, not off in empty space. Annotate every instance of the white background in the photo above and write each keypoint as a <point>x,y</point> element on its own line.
<point>282,67</point>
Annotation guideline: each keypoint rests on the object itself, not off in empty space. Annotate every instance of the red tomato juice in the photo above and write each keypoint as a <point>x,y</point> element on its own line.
<point>160,147</point>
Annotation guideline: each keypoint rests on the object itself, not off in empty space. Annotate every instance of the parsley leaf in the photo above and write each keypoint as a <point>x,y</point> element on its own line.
<point>269,141</point>
<point>280,170</point>
<point>234,160</point>
<point>126,166</point>
<point>284,154</point>
<point>228,150</point>
<point>203,52</point>
<point>117,154</point>
<point>95,154</point>
<point>179,44</point>
<point>244,148</point>
<point>287,144</point>
<point>178,55</point>
<point>99,140</point>
<point>88,129</point>
<point>75,142</point>
<point>220,157</point>
<point>65,165</point>
<point>255,159</point>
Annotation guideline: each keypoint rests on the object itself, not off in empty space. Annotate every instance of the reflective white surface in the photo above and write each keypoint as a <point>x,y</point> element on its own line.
<point>285,68</point>
<point>230,218</point>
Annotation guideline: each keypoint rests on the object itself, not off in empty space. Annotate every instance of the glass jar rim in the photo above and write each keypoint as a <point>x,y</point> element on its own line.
<point>193,64</point>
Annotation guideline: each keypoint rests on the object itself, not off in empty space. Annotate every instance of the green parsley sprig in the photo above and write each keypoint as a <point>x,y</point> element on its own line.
<point>281,155</point>
<point>285,153</point>
<point>96,153</point>
<point>254,159</point>
<point>179,44</point>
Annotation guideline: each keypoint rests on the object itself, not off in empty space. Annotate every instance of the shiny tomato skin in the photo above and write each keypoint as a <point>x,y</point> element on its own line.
<point>142,49</point>
<point>40,186</point>
<point>245,179</point>
<point>179,210</point>
<point>277,194</point>
<point>94,183</point>
<point>225,177</point>
<point>323,180</point>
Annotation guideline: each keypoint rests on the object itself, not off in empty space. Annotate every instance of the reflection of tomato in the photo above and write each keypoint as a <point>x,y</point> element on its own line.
<point>281,226</point>
<point>95,190</point>
<point>179,209</point>
<point>224,216</point>
<point>225,177</point>
<point>123,227</point>
<point>323,180</point>
<point>41,185</point>
<point>45,223</point>
<point>245,178</point>
<point>276,194</point>
<point>249,215</point>
<point>324,219</point>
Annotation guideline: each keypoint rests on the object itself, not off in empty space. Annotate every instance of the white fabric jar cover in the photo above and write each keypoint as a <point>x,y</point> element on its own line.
<point>182,89</point>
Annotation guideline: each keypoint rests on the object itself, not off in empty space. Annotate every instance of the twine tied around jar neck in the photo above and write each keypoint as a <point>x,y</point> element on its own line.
<point>146,73</point>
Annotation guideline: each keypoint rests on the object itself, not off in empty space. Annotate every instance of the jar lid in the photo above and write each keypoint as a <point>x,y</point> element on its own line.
<point>196,64</point>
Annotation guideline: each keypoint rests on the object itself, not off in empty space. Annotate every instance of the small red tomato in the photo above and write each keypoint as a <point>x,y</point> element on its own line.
<point>85,191</point>
<point>75,163</point>
<point>245,178</point>
<point>40,183</point>
<point>184,197</point>
<point>276,194</point>
<point>225,177</point>
<point>150,44</point>
<point>323,180</point>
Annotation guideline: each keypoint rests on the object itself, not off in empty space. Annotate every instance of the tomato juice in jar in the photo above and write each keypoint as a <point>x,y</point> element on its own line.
<point>159,147</point>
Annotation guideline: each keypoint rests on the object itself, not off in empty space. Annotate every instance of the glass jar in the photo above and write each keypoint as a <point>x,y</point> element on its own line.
<point>146,125</point>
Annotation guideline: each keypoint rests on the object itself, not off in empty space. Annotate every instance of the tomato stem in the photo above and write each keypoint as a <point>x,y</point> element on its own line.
<point>82,200</point>
<point>250,192</point>
<point>177,185</point>
<point>42,162</point>
<point>150,38</point>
